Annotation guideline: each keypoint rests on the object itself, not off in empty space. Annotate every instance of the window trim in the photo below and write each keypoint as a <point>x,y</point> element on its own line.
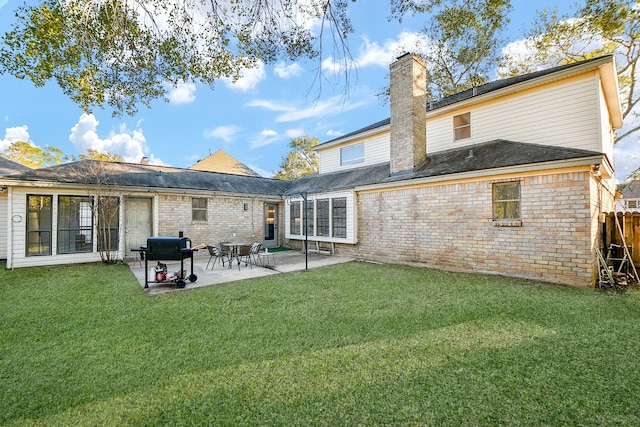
<point>114,227</point>
<point>506,221</point>
<point>197,210</point>
<point>352,154</point>
<point>40,231</point>
<point>64,226</point>
<point>464,128</point>
<point>339,228</point>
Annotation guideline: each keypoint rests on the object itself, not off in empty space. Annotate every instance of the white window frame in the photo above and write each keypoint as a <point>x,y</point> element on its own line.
<point>462,126</point>
<point>352,154</point>
<point>351,218</point>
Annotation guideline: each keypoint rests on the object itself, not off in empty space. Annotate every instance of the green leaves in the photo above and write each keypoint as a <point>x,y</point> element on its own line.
<point>300,161</point>
<point>122,54</point>
<point>594,28</point>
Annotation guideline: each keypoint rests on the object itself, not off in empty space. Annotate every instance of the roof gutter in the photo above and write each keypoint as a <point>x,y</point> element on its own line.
<point>488,173</point>
<point>353,138</point>
<point>594,65</point>
<point>132,189</point>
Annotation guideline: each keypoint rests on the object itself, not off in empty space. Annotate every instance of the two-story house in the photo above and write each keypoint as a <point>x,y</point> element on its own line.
<point>509,178</point>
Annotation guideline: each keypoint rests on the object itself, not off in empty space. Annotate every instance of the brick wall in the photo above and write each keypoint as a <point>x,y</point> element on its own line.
<point>450,226</point>
<point>225,216</point>
<point>407,98</point>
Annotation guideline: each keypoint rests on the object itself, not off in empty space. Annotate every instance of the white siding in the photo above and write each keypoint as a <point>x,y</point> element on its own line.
<point>376,150</point>
<point>570,113</point>
<point>561,114</point>
<point>18,256</point>
<point>606,130</point>
<point>4,224</point>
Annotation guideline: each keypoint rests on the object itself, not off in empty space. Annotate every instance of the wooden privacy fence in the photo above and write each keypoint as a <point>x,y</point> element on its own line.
<point>630,225</point>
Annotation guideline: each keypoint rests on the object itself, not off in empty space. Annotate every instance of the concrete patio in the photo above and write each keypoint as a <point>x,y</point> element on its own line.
<point>285,262</point>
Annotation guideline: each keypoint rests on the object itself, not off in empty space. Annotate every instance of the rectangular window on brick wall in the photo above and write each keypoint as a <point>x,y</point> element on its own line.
<point>506,201</point>
<point>199,209</point>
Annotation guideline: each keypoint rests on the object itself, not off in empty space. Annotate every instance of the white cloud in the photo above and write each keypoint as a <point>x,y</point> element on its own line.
<point>225,133</point>
<point>290,113</point>
<point>374,54</point>
<point>287,71</point>
<point>334,133</point>
<point>182,93</point>
<point>14,134</point>
<point>249,80</point>
<point>266,137</point>
<point>294,133</point>
<point>131,145</point>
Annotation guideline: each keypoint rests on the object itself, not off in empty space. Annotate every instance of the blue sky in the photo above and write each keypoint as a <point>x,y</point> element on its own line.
<point>253,120</point>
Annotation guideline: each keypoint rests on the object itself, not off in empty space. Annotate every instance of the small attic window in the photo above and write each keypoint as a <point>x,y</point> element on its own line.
<point>462,126</point>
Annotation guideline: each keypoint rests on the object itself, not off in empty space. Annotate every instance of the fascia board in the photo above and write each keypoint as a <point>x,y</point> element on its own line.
<point>479,175</point>
<point>518,87</point>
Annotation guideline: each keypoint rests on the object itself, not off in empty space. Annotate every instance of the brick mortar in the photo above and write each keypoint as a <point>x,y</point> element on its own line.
<point>450,226</point>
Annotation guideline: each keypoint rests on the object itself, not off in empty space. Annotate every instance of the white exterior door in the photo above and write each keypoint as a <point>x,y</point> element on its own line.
<point>138,224</point>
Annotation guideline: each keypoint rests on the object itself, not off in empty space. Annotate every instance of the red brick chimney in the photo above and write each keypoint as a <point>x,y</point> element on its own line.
<point>408,99</point>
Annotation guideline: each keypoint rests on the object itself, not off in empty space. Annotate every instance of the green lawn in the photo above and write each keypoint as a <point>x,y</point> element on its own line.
<point>352,344</point>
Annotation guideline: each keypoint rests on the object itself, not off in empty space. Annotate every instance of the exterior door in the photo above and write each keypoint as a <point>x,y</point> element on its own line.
<point>271,225</point>
<point>137,221</point>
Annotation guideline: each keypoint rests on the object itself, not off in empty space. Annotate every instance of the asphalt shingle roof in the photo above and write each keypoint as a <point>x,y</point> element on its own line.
<point>485,156</point>
<point>222,162</point>
<point>9,166</point>
<point>90,172</point>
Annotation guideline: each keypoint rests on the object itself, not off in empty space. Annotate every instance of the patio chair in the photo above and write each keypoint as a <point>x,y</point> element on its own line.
<point>244,255</point>
<point>254,252</point>
<point>225,250</point>
<point>216,254</point>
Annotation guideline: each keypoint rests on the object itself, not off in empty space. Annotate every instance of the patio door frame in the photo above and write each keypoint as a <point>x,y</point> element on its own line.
<point>271,225</point>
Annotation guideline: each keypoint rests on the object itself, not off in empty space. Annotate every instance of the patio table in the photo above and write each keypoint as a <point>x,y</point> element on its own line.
<point>233,253</point>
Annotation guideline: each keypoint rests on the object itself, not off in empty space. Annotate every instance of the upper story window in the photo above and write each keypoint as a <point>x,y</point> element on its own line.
<point>462,126</point>
<point>198,209</point>
<point>352,154</point>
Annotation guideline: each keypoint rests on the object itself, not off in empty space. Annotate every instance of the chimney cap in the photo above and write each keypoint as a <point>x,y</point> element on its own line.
<point>144,161</point>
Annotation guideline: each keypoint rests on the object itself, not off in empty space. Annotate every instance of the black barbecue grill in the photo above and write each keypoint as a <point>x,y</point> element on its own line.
<point>169,249</point>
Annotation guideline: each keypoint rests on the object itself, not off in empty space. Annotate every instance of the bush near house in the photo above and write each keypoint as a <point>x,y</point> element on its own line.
<point>355,344</point>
